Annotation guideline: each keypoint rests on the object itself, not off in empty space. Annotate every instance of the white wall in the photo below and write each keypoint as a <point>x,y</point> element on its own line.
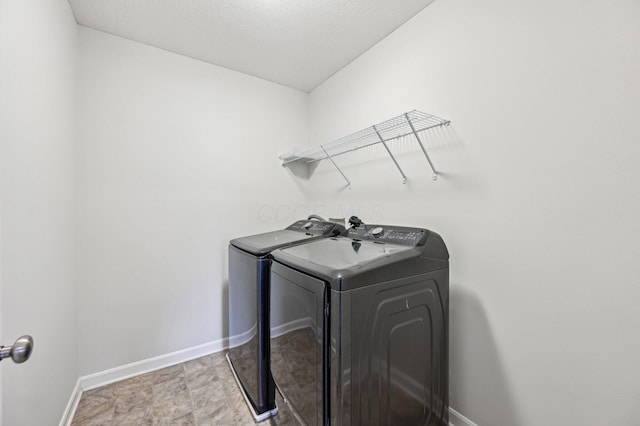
<point>176,158</point>
<point>37,211</point>
<point>538,199</point>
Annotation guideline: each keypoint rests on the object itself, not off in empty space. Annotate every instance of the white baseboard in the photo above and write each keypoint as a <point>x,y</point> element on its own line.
<point>116,374</point>
<point>457,419</point>
<point>288,327</point>
<point>70,410</point>
<point>243,338</point>
<point>140,367</point>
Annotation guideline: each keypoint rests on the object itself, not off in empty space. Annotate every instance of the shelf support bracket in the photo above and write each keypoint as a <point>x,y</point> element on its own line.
<point>336,166</point>
<point>404,178</point>
<point>413,129</point>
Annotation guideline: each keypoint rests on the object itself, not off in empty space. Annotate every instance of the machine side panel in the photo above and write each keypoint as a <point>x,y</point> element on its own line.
<point>399,352</point>
<point>248,326</point>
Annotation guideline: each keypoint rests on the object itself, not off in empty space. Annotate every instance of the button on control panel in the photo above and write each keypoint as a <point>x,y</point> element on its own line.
<point>315,227</point>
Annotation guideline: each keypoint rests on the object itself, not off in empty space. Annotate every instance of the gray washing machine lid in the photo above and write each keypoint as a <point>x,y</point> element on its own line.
<point>344,254</point>
<point>296,233</point>
<point>364,259</point>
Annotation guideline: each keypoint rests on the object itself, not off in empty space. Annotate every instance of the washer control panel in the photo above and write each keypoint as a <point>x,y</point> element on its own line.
<point>316,227</point>
<point>389,234</point>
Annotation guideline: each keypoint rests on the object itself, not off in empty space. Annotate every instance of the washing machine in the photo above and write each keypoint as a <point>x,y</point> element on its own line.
<point>249,274</point>
<point>359,328</point>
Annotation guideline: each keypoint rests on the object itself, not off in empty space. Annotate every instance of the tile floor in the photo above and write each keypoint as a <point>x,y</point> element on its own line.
<point>201,392</point>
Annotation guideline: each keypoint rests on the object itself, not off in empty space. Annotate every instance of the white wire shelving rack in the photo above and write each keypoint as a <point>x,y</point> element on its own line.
<point>410,123</point>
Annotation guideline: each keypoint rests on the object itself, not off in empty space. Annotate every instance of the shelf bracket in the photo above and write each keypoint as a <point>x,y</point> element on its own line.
<point>413,129</point>
<point>404,178</point>
<point>335,165</point>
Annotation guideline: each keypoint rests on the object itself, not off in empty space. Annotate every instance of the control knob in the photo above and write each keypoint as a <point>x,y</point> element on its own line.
<point>377,231</point>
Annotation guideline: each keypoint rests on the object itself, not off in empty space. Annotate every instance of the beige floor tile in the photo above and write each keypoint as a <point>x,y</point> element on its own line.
<point>185,420</point>
<point>95,405</point>
<point>198,364</point>
<point>200,392</point>
<point>170,389</point>
<point>178,406</point>
<point>204,377</point>
<point>138,417</point>
<point>134,384</point>
<point>167,373</point>
<point>133,400</point>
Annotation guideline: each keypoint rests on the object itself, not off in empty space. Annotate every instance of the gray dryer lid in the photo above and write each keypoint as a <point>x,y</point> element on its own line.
<point>299,232</point>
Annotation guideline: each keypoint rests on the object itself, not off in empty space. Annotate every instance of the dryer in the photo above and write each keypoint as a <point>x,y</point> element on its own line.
<point>249,274</point>
<point>360,328</point>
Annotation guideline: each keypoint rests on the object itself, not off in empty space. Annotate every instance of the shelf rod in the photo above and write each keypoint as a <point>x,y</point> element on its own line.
<point>413,129</point>
<point>404,178</point>
<point>335,165</point>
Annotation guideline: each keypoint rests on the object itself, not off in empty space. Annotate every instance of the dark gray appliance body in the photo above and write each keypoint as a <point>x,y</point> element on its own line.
<point>360,328</point>
<point>249,274</point>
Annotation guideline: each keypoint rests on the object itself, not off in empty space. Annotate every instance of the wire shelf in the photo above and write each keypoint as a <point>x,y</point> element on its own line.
<point>410,123</point>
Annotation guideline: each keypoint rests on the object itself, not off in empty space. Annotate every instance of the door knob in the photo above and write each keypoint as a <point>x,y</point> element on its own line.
<point>20,351</point>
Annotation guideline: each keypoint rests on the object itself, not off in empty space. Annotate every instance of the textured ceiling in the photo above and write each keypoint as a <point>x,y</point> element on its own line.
<point>297,43</point>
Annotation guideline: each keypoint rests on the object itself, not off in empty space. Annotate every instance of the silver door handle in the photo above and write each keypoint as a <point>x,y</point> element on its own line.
<point>20,351</point>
